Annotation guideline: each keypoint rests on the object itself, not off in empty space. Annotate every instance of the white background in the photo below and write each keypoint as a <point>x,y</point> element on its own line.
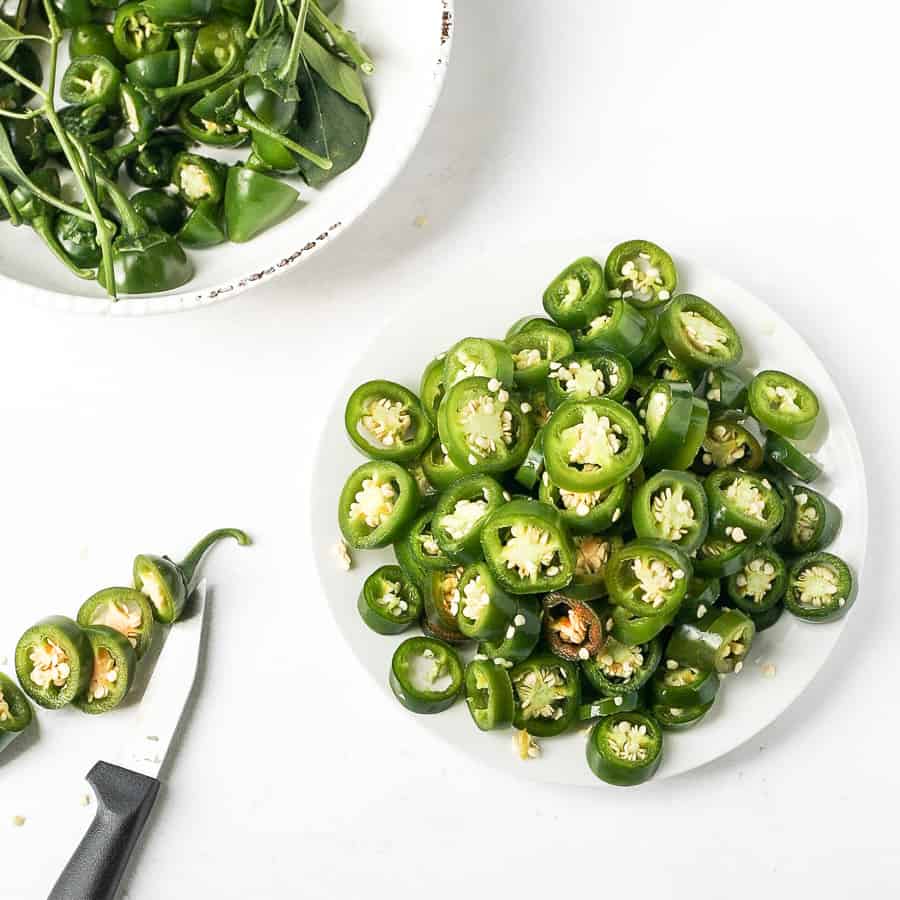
<point>758,139</point>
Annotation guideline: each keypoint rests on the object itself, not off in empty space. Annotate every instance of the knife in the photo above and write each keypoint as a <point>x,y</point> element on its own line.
<point>126,792</point>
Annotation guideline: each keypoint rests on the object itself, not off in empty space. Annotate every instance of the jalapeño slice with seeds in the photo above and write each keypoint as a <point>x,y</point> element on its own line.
<point>15,711</point>
<point>662,366</point>
<point>534,351</point>
<point>389,601</point>
<point>721,557</point>
<point>572,630</point>
<point>421,546</point>
<point>386,421</point>
<point>820,588</point>
<point>699,334</point>
<point>728,443</point>
<point>648,577</point>
<point>426,675</point>
<point>378,500</point>
<point>816,521</point>
<point>702,595</point>
<point>547,694</point>
<point>577,294</point>
<point>719,641</point>
<point>432,388</point>
<point>782,454</point>
<point>582,375</point>
<point>760,584</point>
<point>54,662</point>
<point>439,469</point>
<point>743,506</point>
<point>460,514</point>
<point>621,328</point>
<point>671,506</point>
<point>126,610</point>
<point>114,663</point>
<point>592,555</point>
<point>485,610</point>
<point>625,748</point>
<point>676,718</point>
<point>725,389</point>
<point>680,685</point>
<point>665,410</point>
<point>481,357</point>
<point>587,511</point>
<point>641,273</point>
<point>521,636</point>
<point>632,629</point>
<point>783,404</point>
<point>489,695</point>
<point>618,669</point>
<point>607,706</point>
<point>441,603</point>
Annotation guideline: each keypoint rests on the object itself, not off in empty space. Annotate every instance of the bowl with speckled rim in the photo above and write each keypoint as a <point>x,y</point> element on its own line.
<point>411,49</point>
<point>513,279</point>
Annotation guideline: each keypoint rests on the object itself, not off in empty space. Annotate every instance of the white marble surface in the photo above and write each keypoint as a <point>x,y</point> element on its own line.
<point>756,138</point>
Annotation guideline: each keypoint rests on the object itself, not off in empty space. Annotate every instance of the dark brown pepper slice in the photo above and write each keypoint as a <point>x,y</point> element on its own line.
<point>572,628</point>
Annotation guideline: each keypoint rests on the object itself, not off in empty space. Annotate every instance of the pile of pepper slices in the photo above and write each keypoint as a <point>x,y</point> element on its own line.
<point>147,81</point>
<point>604,502</point>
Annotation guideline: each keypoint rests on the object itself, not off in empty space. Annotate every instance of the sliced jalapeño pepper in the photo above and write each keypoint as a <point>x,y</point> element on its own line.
<point>198,178</point>
<point>725,389</point>
<point>577,294</point>
<point>671,506</point>
<point>743,506</point>
<point>489,695</point>
<point>572,630</point>
<point>760,584</point>
<point>93,39</point>
<point>677,718</point>
<point>783,404</point>
<point>727,443</point>
<point>633,628</point>
<point>782,454</point>
<point>702,595</point>
<point>662,366</point>
<point>767,618</point>
<point>534,351</point>
<point>816,521</point>
<point>90,80</point>
<point>431,390</point>
<point>386,421</point>
<point>592,554</point>
<point>54,662</point>
<point>580,376</point>
<point>478,356</point>
<point>442,602</point>
<point>15,711</point>
<point>460,515</point>
<point>255,202</point>
<point>157,70</point>
<point>719,641</point>
<point>426,675</point>
<point>590,445</point>
<point>586,512</point>
<point>114,663</point>
<point>420,545</point>
<point>532,468</point>
<point>820,588</point>
<point>699,334</point>
<point>621,328</point>
<point>683,685</point>
<point>485,610</point>
<point>135,35</point>
<point>619,669</point>
<point>167,583</point>
<point>439,469</point>
<point>686,455</point>
<point>641,273</point>
<point>648,577</point>
<point>781,535</point>
<point>547,694</point>
<point>389,601</point>
<point>527,547</point>
<point>521,635</point>
<point>625,748</point>
<point>600,707</point>
<point>666,410</point>
<point>378,500</point>
<point>721,557</point>
<point>125,610</point>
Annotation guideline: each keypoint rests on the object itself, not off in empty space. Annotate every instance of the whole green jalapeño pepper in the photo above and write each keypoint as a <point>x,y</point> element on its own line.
<point>167,583</point>
<point>699,334</point>
<point>625,748</point>
<point>54,662</point>
<point>460,514</point>
<point>378,500</point>
<point>648,577</point>
<point>783,404</point>
<point>389,601</point>
<point>547,692</point>
<point>113,668</point>
<point>641,273</point>
<point>576,295</point>
<point>16,715</point>
<point>527,548</point>
<point>386,421</point>
<point>820,588</point>
<point>125,610</point>
<point>426,675</point>
<point>671,506</point>
<point>489,695</point>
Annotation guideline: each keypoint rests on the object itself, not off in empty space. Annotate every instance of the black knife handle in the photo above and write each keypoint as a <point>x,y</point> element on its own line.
<point>124,800</point>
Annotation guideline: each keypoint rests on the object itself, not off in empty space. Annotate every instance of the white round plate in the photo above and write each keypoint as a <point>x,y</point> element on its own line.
<point>411,50</point>
<point>484,301</point>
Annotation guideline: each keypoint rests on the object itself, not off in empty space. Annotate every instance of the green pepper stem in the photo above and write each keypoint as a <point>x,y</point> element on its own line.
<point>31,114</point>
<point>44,229</point>
<point>199,84</point>
<point>27,82</point>
<point>131,221</point>
<point>288,69</point>
<point>186,39</point>
<point>189,564</point>
<point>246,119</point>
<point>344,42</point>
<point>14,218</point>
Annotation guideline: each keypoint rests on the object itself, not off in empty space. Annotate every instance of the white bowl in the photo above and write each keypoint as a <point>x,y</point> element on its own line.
<point>411,50</point>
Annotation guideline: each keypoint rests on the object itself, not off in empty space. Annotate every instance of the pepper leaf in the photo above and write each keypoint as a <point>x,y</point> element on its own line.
<point>220,105</point>
<point>336,73</point>
<point>9,40</point>
<point>266,58</point>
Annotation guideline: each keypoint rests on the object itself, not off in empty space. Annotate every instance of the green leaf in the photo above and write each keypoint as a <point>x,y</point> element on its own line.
<point>270,51</point>
<point>329,125</point>
<point>220,105</point>
<point>336,73</point>
<point>9,40</point>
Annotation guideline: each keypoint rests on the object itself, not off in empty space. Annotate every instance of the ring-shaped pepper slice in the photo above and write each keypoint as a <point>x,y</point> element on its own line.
<point>632,629</point>
<point>426,675</point>
<point>439,469</point>
<point>601,707</point>
<point>725,389</point>
<point>767,619</point>
<point>526,323</point>
<point>532,469</point>
<point>386,421</point>
<point>572,630</point>
<point>680,685</point>
<point>721,557</point>
<point>727,443</point>
<point>592,555</point>
<point>521,636</point>
<point>577,294</point>
<point>648,577</point>
<point>114,664</point>
<point>720,640</point>
<point>441,604</point>
<point>389,601</point>
<point>432,388</point>
<point>125,610</point>
<point>582,375</point>
<point>486,611</point>
<point>587,512</point>
<point>421,544</point>
<point>377,501</point>
<point>662,366</point>
<point>15,711</point>
<point>821,588</point>
<point>699,334</point>
<point>671,506</point>
<point>489,695</point>
<point>483,427</point>
<point>641,273</point>
<point>478,357</point>
<point>702,596</point>
<point>625,749</point>
<point>461,512</point>
<point>54,662</point>
<point>534,351</point>
<point>743,506</point>
<point>527,547</point>
<point>816,521</point>
<point>675,718</point>
<point>781,535</point>
<point>91,80</point>
<point>760,584</point>
<point>134,33</point>
<point>666,410</point>
<point>783,404</point>
<point>547,692</point>
<point>783,455</point>
<point>620,669</point>
<point>621,328</point>
<point>590,445</point>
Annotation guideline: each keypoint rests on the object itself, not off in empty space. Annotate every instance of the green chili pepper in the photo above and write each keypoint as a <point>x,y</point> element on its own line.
<point>583,375</point>
<point>78,238</point>
<point>531,470</point>
<point>535,349</point>
<point>389,601</point>
<point>702,595</point>
<point>820,587</point>
<point>460,515</point>
<point>114,662</point>
<point>816,522</point>
<point>478,356</point>
<point>682,685</point>
<point>726,444</point>
<point>621,328</point>
<point>719,641</point>
<point>54,662</point>
<point>94,39</point>
<point>489,695</point>
<point>592,553</point>
<point>677,718</point>
<point>426,675</point>
<point>203,227</point>
<point>160,210</point>
<point>576,295</point>
<point>216,38</point>
<point>672,506</point>
<point>666,410</point>
<point>783,404</point>
<point>721,557</point>
<point>198,178</point>
<point>439,469</point>
<point>207,131</point>
<point>90,80</point>
<point>386,421</point>
<point>269,155</point>
<point>547,694</point>
<point>135,34</point>
<point>784,456</point>
<point>267,105</point>
<point>648,577</point>
<point>378,500</point>
<point>485,610</point>
<point>70,13</point>
<point>152,165</point>
<point>641,273</point>
<point>28,138</point>
<point>661,365</point>
<point>420,545</point>
<point>725,389</point>
<point>255,202</point>
<point>176,12</point>
<point>743,506</point>
<point>625,749</point>
<point>760,584</point>
<point>16,715</point>
<point>441,596</point>
<point>125,610</point>
<point>155,70</point>
<point>167,583</point>
<point>631,628</point>
<point>699,334</point>
<point>608,706</point>
<point>621,669</point>
<point>432,388</point>
<point>521,637</point>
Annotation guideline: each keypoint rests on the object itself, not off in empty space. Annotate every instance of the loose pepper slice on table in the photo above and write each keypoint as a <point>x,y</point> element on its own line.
<point>527,547</point>
<point>592,554</point>
<point>783,404</point>
<point>743,506</point>
<point>389,601</point>
<point>378,500</point>
<point>648,577</point>
<point>625,748</point>
<point>167,583</point>
<point>816,522</point>
<point>784,456</point>
<point>15,711</point>
<point>255,202</point>
<point>386,421</point>
<point>590,445</point>
<point>671,506</point>
<point>114,663</point>
<point>426,675</point>
<point>720,640</point>
<point>521,636</point>
<point>820,588</point>
<point>577,294</point>
<point>489,695</point>
<point>125,610</point>
<point>619,669</point>
<point>640,272</point>
<point>587,512</point>
<point>460,514</point>
<point>760,584</point>
<point>547,692</point>
<point>699,334</point>
<point>54,661</point>
<point>727,443</point>
<point>485,610</point>
<point>621,328</point>
<point>582,375</point>
<point>572,630</point>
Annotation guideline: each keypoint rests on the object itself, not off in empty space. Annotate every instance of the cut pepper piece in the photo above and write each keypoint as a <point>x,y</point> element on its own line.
<point>582,375</point>
<point>489,695</point>
<point>783,404</point>
<point>426,675</point>
<point>389,601</point>
<point>576,295</point>
<point>54,662</point>
<point>114,663</point>
<point>671,506</point>
<point>641,273</point>
<point>547,692</point>
<point>521,636</point>
<point>15,711</point>
<point>816,522</point>
<point>760,584</point>
<point>386,421</point>
<point>125,610</point>
<point>743,506</point>
<point>648,577</point>
<point>572,630</point>
<point>625,748</point>
<point>720,640</point>
<point>460,515</point>
<point>699,334</point>
<point>619,669</point>
<point>821,588</point>
<point>485,611</point>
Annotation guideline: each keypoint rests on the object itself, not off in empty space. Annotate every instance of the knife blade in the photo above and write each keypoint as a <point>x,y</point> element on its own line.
<point>127,791</point>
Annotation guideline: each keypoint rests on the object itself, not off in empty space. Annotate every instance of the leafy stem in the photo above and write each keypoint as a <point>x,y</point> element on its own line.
<point>245,119</point>
<point>288,69</point>
<point>345,42</point>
